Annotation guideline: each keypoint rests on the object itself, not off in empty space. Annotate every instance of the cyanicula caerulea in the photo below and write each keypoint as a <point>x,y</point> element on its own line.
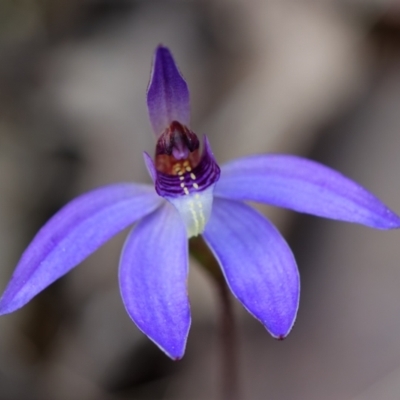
<point>190,196</point>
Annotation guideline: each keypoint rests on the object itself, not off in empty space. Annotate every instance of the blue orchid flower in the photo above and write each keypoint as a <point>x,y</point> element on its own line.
<point>191,195</point>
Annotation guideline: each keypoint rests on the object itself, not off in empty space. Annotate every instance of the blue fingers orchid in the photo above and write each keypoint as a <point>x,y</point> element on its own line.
<point>191,195</point>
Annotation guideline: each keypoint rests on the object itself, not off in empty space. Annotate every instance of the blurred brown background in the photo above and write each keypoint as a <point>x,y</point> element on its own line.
<point>315,78</point>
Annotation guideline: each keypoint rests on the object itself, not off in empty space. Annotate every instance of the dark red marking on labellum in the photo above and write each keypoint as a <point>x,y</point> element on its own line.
<point>176,144</point>
<point>181,169</point>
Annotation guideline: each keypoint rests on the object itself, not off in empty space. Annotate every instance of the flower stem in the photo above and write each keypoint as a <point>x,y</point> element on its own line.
<point>227,328</point>
<point>228,344</point>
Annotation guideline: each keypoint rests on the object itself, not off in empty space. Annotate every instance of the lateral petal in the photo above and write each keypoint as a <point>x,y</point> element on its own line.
<point>305,186</point>
<point>153,279</point>
<point>168,94</point>
<point>72,234</point>
<point>258,265</point>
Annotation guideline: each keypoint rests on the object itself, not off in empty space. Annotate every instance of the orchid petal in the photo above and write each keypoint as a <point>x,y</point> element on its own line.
<point>305,186</point>
<point>153,277</point>
<point>72,234</point>
<point>258,265</point>
<point>167,94</point>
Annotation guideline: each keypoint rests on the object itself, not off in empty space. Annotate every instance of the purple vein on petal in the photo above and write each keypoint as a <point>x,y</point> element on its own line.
<point>304,186</point>
<point>167,94</point>
<point>153,279</point>
<point>72,234</point>
<point>257,263</point>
